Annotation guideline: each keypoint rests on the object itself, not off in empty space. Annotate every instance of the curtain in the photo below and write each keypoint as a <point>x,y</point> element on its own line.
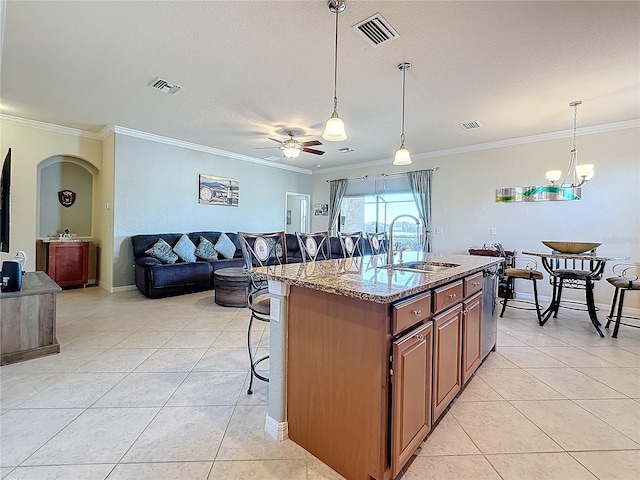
<point>336,194</point>
<point>420,183</point>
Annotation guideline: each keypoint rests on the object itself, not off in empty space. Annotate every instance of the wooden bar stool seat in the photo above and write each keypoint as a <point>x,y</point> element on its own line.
<point>528,271</point>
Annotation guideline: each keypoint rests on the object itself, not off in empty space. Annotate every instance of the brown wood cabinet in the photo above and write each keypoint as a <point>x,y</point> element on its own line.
<point>411,394</point>
<point>361,394</point>
<point>67,263</point>
<point>447,353</point>
<point>471,335</point>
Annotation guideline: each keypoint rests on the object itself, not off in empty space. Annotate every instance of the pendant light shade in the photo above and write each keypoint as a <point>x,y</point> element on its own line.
<point>402,156</point>
<point>334,128</point>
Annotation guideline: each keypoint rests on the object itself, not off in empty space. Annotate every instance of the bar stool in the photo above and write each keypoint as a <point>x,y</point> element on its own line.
<point>314,246</point>
<point>525,268</point>
<point>351,243</point>
<point>378,243</point>
<point>260,250</point>
<point>626,280</point>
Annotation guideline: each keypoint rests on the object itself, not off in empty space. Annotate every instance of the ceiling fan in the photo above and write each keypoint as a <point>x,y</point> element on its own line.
<point>291,147</point>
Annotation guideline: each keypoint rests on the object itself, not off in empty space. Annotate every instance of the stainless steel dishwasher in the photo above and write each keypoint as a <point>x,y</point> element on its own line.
<point>489,309</point>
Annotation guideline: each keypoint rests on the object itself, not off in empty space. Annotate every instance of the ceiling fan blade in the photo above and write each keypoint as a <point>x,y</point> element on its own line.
<point>311,143</point>
<point>275,140</point>
<point>311,150</point>
<point>264,148</point>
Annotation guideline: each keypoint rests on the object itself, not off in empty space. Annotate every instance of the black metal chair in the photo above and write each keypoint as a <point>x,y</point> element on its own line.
<point>626,279</point>
<point>314,246</point>
<point>351,244</point>
<point>260,250</point>
<point>525,268</point>
<point>378,243</point>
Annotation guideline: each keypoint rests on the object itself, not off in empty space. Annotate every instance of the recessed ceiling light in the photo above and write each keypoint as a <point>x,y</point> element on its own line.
<point>317,165</point>
<point>272,158</point>
<point>346,150</point>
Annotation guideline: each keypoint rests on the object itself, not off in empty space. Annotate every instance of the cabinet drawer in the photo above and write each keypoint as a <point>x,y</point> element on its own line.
<point>448,295</point>
<point>410,311</point>
<point>472,284</point>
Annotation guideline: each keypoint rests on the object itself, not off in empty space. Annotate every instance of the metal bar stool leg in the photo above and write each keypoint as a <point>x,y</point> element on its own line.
<point>535,298</point>
<point>507,294</point>
<point>619,317</point>
<point>613,307</point>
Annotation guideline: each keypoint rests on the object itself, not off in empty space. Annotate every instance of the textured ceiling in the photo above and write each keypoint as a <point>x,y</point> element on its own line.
<point>253,69</point>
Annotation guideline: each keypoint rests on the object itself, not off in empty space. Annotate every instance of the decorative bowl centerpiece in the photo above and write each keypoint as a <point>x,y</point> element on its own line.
<point>572,247</point>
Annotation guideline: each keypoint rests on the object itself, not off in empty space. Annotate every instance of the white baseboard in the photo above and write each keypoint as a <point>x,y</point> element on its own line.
<point>126,288</point>
<point>277,430</point>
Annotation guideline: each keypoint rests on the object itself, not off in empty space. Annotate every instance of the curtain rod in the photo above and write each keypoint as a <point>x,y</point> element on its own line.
<point>404,173</point>
<point>363,177</point>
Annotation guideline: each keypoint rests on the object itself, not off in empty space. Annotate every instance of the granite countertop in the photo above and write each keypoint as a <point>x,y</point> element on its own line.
<point>65,240</point>
<point>362,278</point>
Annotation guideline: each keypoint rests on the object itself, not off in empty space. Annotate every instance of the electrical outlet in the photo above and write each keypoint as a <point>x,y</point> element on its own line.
<point>493,231</point>
<point>439,230</point>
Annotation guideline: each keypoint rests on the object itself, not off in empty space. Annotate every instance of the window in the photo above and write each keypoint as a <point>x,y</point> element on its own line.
<point>370,206</point>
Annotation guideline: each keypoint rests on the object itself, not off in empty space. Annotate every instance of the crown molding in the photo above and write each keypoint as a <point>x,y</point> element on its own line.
<point>25,122</point>
<point>202,148</point>
<point>607,127</point>
<point>113,129</point>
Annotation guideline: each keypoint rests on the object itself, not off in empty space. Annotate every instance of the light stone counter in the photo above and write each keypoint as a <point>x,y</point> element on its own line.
<point>363,278</point>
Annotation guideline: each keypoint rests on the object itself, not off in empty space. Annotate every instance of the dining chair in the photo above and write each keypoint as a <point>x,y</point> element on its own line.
<point>626,280</point>
<point>525,268</point>
<point>314,246</point>
<point>260,250</point>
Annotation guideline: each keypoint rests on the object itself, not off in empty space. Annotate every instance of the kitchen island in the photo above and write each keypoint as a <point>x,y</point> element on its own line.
<point>364,358</point>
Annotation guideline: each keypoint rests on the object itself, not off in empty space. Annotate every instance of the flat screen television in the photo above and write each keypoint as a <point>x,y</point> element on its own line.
<point>5,203</point>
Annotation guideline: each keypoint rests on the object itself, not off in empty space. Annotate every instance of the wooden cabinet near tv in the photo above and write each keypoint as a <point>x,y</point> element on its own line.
<point>67,263</point>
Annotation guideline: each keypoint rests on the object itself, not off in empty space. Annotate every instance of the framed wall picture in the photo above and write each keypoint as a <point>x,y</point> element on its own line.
<point>215,190</point>
<point>321,209</point>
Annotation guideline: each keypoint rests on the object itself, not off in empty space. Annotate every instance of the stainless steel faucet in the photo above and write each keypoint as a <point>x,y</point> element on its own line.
<point>390,250</point>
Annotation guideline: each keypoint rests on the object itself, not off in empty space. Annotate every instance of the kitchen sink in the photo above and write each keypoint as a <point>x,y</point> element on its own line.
<point>421,267</point>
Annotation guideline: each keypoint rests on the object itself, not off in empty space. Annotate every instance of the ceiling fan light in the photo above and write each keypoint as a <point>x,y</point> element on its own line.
<point>402,156</point>
<point>290,152</point>
<point>553,175</point>
<point>334,129</point>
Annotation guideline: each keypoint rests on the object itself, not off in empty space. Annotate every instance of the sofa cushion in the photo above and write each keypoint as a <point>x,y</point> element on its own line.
<point>163,252</point>
<point>185,249</point>
<point>206,250</point>
<point>180,274</point>
<point>225,247</point>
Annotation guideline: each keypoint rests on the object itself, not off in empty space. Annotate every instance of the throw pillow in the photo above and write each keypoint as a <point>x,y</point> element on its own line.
<point>205,250</point>
<point>225,247</point>
<point>185,249</point>
<point>163,252</point>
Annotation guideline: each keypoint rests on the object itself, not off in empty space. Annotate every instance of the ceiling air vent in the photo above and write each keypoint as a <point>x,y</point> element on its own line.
<point>470,125</point>
<point>376,30</point>
<point>164,86</point>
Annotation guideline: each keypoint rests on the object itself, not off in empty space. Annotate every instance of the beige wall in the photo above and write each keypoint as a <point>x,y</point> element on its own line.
<point>464,198</point>
<point>103,214</point>
<point>29,146</point>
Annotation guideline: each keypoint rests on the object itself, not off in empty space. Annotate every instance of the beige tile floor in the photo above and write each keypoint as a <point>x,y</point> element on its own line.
<point>156,389</point>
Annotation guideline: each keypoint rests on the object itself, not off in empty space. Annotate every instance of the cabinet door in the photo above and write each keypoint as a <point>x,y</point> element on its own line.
<point>411,401</point>
<point>69,263</point>
<point>471,336</point>
<point>447,356</point>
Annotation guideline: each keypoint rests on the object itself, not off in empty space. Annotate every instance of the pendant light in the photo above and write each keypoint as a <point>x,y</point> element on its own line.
<point>334,128</point>
<point>402,156</point>
<point>576,173</point>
